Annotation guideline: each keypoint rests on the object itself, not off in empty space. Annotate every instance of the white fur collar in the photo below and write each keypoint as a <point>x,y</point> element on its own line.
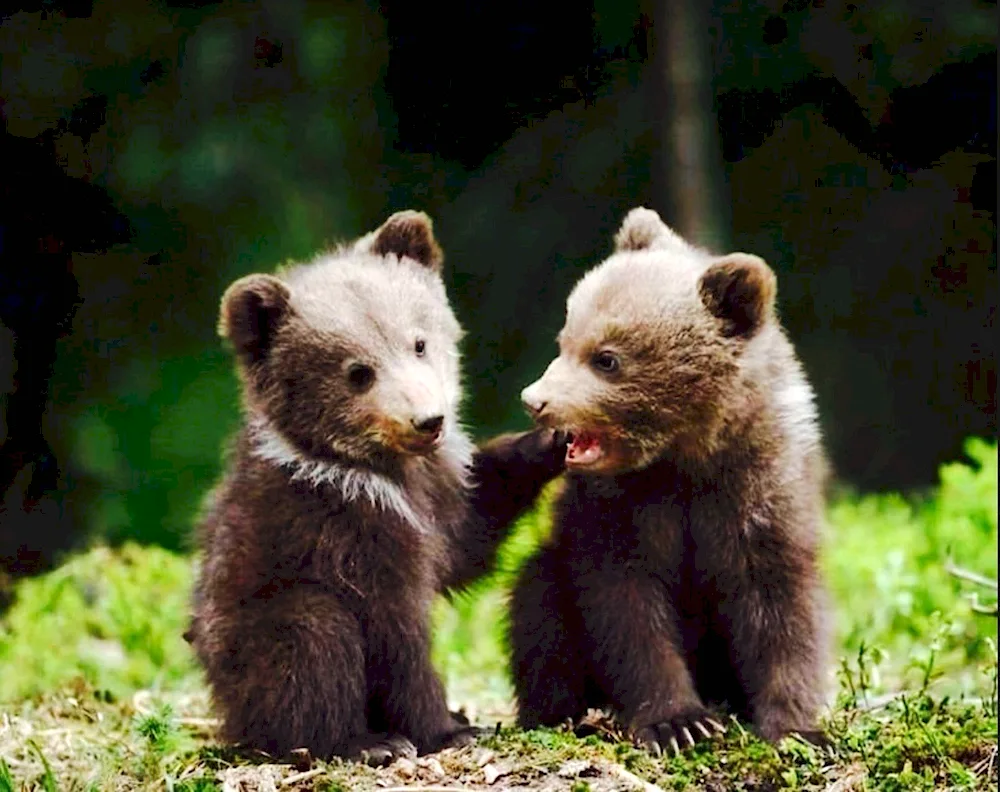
<point>379,490</point>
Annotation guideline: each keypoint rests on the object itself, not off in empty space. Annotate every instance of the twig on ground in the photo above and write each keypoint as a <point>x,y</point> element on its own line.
<point>880,702</point>
<point>626,775</point>
<point>853,779</point>
<point>972,577</point>
<point>189,771</point>
<point>985,767</point>
<point>198,723</point>
<point>986,610</point>
<point>297,778</point>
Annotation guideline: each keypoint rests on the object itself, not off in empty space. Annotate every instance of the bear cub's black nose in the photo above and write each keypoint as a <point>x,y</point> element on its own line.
<point>430,425</point>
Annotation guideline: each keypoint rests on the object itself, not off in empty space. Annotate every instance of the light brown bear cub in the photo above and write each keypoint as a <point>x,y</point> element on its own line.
<point>682,568</point>
<point>351,498</point>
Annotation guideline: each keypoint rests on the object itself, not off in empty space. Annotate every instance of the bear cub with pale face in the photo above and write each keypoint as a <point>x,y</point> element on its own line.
<point>681,574</point>
<point>351,498</point>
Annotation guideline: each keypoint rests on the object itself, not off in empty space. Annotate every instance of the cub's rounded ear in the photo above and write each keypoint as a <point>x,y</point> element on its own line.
<point>409,234</point>
<point>642,229</point>
<point>740,289</point>
<point>252,309</point>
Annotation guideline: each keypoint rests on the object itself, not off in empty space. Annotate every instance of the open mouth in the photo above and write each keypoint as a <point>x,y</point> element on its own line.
<point>585,449</point>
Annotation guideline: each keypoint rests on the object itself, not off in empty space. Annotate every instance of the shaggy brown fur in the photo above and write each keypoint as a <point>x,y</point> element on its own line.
<point>681,572</point>
<point>351,499</point>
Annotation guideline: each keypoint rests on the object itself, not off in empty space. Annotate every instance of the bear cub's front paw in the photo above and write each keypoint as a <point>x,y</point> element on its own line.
<point>679,732</point>
<point>545,447</point>
<point>379,750</point>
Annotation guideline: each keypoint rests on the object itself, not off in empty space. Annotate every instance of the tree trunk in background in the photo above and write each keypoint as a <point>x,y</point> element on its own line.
<point>689,166</point>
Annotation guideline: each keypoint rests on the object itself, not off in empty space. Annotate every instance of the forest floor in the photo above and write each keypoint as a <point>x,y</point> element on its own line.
<point>83,739</point>
<point>99,690</point>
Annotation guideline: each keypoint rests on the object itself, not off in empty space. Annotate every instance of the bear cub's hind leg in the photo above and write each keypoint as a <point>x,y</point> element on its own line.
<point>548,670</point>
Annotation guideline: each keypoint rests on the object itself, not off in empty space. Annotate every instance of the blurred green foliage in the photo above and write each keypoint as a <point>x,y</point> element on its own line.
<point>226,166</point>
<point>887,560</point>
<point>116,617</point>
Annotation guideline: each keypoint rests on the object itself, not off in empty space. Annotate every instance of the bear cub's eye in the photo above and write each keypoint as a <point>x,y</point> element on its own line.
<point>361,376</point>
<point>420,347</point>
<point>606,362</point>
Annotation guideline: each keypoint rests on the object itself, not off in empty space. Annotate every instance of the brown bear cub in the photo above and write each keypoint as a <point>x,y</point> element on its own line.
<point>682,570</point>
<point>351,498</point>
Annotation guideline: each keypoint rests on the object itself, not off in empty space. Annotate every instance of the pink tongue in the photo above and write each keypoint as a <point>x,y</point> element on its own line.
<point>583,450</point>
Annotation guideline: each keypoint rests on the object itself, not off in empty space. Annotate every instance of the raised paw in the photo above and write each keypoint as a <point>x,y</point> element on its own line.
<point>679,733</point>
<point>546,447</point>
<point>379,750</point>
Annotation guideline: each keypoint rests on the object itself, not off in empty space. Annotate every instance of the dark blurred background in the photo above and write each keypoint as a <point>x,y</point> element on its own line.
<point>153,151</point>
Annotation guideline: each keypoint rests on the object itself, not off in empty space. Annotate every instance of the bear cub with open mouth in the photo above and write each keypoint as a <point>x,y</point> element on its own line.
<point>351,498</point>
<point>681,572</point>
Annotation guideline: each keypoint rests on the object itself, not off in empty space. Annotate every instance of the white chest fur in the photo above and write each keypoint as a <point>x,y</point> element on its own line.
<point>357,483</point>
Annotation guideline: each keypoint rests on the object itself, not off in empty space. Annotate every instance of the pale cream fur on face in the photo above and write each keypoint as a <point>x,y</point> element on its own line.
<point>383,308</point>
<point>298,334</point>
<point>652,277</point>
<point>679,373</point>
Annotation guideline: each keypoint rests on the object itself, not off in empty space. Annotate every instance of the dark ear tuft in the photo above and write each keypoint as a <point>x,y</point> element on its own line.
<point>409,234</point>
<point>740,289</point>
<point>252,309</point>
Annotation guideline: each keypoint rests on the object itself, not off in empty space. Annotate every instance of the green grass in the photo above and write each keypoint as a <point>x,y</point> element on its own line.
<point>82,741</point>
<point>115,618</point>
<point>102,692</point>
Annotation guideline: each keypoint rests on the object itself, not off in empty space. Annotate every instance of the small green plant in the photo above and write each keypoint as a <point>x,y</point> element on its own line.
<point>196,785</point>
<point>856,679</point>
<point>160,737</point>
<point>924,661</point>
<point>6,779</point>
<point>158,728</point>
<point>991,670</point>
<point>48,780</point>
